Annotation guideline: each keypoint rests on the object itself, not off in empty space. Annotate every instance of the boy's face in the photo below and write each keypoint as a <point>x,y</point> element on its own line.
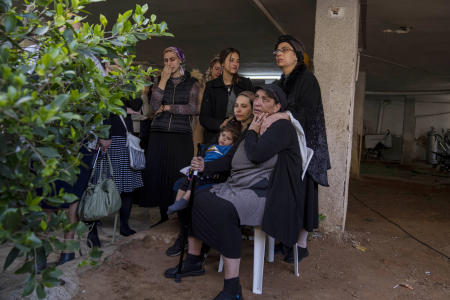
<point>225,138</point>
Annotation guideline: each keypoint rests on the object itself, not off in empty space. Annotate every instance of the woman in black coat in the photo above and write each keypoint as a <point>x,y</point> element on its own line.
<point>305,105</point>
<point>264,188</point>
<point>220,94</point>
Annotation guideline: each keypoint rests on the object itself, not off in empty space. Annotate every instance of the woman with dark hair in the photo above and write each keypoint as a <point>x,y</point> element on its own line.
<point>304,107</point>
<point>264,189</point>
<point>170,147</point>
<point>220,94</point>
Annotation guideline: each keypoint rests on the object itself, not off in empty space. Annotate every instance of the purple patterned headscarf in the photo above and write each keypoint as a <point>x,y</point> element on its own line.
<point>179,53</point>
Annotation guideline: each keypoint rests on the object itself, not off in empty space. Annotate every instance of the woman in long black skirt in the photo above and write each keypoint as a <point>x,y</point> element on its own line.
<point>170,147</point>
<point>305,105</point>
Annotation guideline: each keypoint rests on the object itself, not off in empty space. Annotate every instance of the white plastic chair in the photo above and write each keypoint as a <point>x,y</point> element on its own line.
<point>259,245</point>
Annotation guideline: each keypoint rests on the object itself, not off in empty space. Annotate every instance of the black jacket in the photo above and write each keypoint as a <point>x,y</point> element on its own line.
<point>117,128</point>
<point>284,209</point>
<point>305,103</point>
<point>214,105</point>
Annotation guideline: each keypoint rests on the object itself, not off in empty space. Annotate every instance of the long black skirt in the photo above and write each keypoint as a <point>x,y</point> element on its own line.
<point>215,221</point>
<point>167,153</point>
<point>311,208</point>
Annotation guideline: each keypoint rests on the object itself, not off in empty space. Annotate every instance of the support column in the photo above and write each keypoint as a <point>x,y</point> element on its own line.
<point>409,131</point>
<point>358,118</point>
<point>335,60</point>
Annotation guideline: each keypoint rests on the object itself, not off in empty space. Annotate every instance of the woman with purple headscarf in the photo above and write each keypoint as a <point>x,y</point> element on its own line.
<point>170,148</point>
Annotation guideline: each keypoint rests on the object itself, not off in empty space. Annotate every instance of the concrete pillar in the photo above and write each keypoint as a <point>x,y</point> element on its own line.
<point>358,118</point>
<point>335,60</point>
<point>409,131</point>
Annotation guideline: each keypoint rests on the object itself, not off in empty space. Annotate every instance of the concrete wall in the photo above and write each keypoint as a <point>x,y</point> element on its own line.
<point>335,59</point>
<point>393,119</point>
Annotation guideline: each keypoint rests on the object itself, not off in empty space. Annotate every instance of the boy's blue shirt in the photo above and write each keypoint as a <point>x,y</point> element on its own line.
<point>216,151</point>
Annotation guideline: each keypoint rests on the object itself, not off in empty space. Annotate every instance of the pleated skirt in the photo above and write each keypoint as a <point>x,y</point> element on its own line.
<point>167,153</point>
<point>125,178</point>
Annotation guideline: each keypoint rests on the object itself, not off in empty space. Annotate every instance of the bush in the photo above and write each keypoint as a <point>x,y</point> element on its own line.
<point>52,98</point>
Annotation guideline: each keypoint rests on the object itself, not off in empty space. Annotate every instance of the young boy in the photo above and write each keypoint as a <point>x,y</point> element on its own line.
<point>227,137</point>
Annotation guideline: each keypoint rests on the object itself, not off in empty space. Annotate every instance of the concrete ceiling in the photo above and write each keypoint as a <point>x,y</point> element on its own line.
<point>418,60</point>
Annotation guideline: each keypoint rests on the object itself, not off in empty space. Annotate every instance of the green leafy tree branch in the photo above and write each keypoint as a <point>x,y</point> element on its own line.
<point>53,99</point>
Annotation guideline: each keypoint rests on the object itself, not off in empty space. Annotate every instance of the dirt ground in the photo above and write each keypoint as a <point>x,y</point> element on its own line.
<point>394,264</point>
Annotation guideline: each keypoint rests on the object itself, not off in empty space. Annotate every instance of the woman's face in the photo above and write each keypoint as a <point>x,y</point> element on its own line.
<point>216,70</point>
<point>172,61</point>
<point>242,108</point>
<point>264,104</point>
<point>231,63</point>
<point>285,56</point>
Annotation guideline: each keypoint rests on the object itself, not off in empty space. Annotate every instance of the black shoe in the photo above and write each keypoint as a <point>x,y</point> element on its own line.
<point>159,222</point>
<point>280,248</point>
<point>176,248</point>
<point>127,231</point>
<point>65,257</point>
<point>188,269</point>
<point>302,253</point>
<point>92,238</point>
<point>226,296</point>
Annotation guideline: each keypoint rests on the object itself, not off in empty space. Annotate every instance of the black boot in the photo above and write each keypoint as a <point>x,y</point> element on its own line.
<point>125,211</point>
<point>164,216</point>
<point>65,257</point>
<point>231,290</point>
<point>302,253</point>
<point>176,248</point>
<point>92,238</point>
<point>192,266</point>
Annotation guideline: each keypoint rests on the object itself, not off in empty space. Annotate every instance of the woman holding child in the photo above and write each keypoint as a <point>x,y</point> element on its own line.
<point>265,182</point>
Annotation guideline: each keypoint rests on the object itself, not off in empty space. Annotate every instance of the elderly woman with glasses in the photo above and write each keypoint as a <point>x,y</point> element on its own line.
<point>264,189</point>
<point>305,109</point>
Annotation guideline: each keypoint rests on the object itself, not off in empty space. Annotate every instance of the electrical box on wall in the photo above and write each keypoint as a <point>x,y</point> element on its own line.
<point>336,12</point>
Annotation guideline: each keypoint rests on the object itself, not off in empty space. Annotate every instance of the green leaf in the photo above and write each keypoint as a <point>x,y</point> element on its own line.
<point>61,100</point>
<point>95,253</point>
<point>29,285</point>
<point>40,291</point>
<point>153,18</point>
<point>41,30</point>
<point>59,9</point>
<point>33,240</point>
<point>103,20</point>
<point>11,219</point>
<point>48,152</point>
<point>73,245</point>
<point>11,257</point>
<point>10,23</point>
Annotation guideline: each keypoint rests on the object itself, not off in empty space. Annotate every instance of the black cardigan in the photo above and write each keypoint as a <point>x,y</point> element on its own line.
<point>214,105</point>
<point>284,209</point>
<point>305,103</point>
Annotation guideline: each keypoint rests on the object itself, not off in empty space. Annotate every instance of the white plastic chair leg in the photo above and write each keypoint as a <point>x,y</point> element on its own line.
<point>220,264</point>
<point>296,260</point>
<point>258,260</point>
<point>270,249</point>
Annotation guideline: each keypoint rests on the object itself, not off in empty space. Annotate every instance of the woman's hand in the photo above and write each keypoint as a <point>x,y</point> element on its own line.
<point>198,164</point>
<point>166,73</point>
<point>160,110</point>
<point>257,121</point>
<point>132,112</point>
<point>226,122</point>
<point>272,119</point>
<point>104,144</point>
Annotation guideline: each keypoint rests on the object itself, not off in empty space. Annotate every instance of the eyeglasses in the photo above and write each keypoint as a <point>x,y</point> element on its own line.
<point>282,50</point>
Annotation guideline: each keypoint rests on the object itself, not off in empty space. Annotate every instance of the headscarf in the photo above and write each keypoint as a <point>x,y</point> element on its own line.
<point>298,46</point>
<point>179,53</point>
<point>276,93</point>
